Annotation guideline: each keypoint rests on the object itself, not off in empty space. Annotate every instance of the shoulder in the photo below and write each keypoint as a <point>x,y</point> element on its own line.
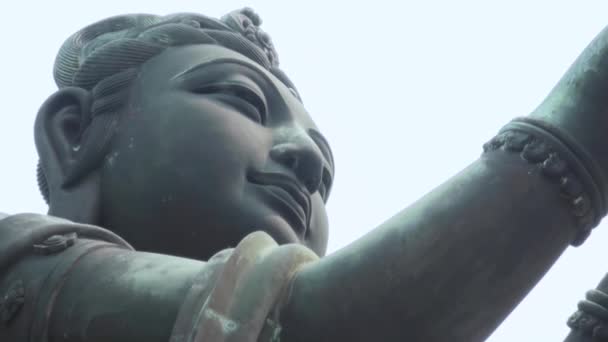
<point>36,253</point>
<point>18,233</point>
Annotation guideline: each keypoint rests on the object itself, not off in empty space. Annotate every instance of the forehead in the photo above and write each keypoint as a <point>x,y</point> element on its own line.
<point>161,70</point>
<point>177,59</point>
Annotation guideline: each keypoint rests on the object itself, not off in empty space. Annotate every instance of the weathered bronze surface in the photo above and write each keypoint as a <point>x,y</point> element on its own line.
<point>182,138</point>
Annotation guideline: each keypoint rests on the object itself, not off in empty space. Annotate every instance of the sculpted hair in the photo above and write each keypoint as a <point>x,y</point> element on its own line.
<point>104,58</point>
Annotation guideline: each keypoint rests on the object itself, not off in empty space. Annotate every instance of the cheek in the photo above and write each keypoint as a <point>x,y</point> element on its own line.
<point>217,135</point>
<point>198,148</point>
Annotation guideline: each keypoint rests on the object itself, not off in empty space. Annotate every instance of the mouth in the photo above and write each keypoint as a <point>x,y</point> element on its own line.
<point>287,196</point>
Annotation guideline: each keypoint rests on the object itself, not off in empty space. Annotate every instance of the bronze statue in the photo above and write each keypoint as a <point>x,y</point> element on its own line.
<point>181,137</point>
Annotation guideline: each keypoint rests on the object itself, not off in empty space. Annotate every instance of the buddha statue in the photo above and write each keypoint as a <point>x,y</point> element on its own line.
<point>187,183</point>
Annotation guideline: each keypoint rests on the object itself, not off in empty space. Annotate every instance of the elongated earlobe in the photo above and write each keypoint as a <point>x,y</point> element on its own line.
<point>58,131</point>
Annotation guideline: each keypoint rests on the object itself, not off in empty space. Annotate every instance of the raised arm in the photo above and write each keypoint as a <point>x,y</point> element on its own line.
<point>453,265</point>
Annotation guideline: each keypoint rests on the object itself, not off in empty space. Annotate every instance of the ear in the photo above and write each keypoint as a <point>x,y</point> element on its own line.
<point>58,130</point>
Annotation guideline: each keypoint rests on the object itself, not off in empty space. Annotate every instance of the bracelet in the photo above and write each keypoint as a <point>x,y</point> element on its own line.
<point>241,298</point>
<point>592,316</point>
<point>562,162</point>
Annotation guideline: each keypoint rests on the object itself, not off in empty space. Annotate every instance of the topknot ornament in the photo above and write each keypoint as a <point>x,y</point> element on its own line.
<point>246,22</point>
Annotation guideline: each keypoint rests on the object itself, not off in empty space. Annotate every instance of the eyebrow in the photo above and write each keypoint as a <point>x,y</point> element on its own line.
<point>251,66</point>
<point>324,145</point>
<point>239,62</point>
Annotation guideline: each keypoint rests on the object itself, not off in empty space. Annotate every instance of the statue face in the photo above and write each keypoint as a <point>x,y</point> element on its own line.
<point>210,148</point>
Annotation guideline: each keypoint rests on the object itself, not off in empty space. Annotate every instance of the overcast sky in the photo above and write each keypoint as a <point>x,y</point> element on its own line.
<point>406,91</point>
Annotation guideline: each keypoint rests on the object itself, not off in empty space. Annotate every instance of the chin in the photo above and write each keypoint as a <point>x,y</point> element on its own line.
<point>278,228</point>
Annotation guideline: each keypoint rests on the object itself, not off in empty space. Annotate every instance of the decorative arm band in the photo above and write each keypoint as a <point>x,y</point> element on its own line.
<point>562,161</point>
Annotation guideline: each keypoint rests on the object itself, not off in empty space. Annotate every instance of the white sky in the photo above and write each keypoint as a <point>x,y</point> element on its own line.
<point>406,92</point>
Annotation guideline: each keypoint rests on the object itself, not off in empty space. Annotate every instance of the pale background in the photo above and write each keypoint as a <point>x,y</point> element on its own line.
<point>406,92</point>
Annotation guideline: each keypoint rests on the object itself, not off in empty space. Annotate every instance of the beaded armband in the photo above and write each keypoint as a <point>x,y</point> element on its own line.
<point>562,162</point>
<point>591,319</point>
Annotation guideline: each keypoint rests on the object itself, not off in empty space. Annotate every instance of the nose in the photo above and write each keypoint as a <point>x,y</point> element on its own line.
<point>298,153</point>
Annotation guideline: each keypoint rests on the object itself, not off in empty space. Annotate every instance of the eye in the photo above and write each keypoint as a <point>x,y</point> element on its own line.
<point>325,185</point>
<point>241,97</point>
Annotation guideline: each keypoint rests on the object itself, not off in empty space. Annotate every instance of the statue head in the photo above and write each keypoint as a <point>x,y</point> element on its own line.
<point>181,134</point>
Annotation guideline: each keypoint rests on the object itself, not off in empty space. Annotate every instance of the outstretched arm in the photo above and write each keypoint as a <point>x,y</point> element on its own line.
<point>452,266</point>
<point>449,268</point>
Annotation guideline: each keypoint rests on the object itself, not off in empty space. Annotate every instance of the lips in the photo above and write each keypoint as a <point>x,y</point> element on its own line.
<point>287,195</point>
